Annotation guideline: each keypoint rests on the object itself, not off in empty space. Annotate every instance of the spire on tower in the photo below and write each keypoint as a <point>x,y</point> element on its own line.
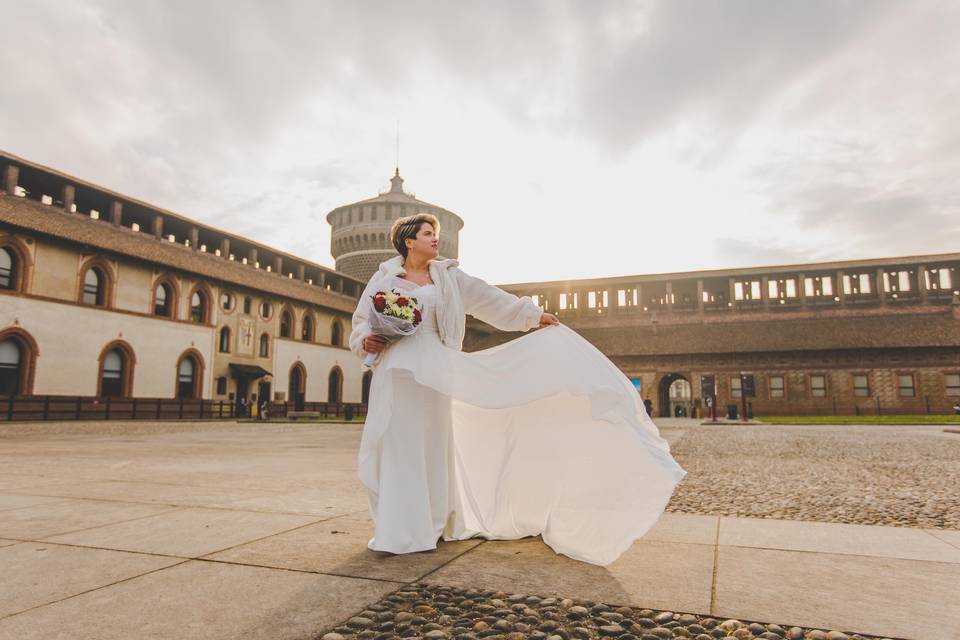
<point>396,182</point>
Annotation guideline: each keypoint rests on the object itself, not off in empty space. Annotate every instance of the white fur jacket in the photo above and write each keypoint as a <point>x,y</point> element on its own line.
<point>458,294</point>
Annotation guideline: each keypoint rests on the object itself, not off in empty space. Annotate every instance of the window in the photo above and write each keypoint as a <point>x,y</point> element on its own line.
<point>111,383</point>
<point>286,324</point>
<point>10,367</point>
<point>266,310</point>
<point>226,301</point>
<point>8,269</point>
<point>264,346</point>
<point>335,386</point>
<point>163,300</point>
<point>861,385</point>
<point>776,386</point>
<point>818,386</point>
<point>306,332</point>
<point>735,389</point>
<point>905,385</point>
<point>247,305</point>
<point>186,374</point>
<point>198,307</point>
<point>952,383</point>
<point>93,287</point>
<point>221,386</point>
<point>225,340</point>
<point>336,334</point>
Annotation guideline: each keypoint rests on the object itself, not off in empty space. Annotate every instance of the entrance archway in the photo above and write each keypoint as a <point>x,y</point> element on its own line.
<point>675,395</point>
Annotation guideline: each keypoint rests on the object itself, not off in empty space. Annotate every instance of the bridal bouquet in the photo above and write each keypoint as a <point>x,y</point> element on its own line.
<point>395,315</point>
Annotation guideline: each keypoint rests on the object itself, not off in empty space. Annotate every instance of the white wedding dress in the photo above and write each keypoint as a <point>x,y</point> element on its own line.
<point>542,435</point>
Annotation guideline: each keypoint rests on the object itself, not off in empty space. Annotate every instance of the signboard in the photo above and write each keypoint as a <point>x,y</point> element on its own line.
<point>747,385</point>
<point>245,337</point>
<point>708,386</point>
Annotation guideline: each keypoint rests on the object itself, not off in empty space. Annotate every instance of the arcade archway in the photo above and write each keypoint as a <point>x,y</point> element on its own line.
<point>675,395</point>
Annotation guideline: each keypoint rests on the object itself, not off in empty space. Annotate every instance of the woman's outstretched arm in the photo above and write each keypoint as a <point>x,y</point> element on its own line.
<point>495,306</point>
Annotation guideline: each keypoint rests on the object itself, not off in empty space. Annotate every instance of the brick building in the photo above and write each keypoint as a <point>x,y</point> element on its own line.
<point>835,337</point>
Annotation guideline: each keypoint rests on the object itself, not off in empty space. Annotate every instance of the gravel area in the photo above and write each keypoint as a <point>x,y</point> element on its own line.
<point>879,475</point>
<point>439,612</point>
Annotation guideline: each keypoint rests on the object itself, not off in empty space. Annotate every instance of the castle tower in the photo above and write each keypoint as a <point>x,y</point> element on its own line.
<point>360,238</point>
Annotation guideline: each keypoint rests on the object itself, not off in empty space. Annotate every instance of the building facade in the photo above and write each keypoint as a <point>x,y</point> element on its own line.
<point>360,232</point>
<point>102,295</point>
<point>866,336</point>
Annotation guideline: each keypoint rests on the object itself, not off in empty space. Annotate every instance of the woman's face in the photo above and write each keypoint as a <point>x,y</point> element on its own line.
<point>426,243</point>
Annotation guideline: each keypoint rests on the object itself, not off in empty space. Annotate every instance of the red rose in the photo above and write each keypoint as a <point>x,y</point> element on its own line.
<point>402,302</point>
<point>379,304</point>
<point>416,315</point>
<point>380,294</point>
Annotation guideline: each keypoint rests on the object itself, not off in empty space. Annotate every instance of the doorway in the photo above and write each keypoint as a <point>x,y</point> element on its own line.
<point>676,396</point>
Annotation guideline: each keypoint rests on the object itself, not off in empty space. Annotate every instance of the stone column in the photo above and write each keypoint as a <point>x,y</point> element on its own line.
<point>731,292</point>
<point>700,295</point>
<point>252,257</point>
<point>669,296</point>
<point>225,248</point>
<point>640,303</point>
<point>158,226</point>
<point>278,265</point>
<point>195,239</point>
<point>881,292</point>
<point>301,272</point>
<point>802,289</point>
<point>839,292</point>
<point>10,177</point>
<point>68,195</point>
<point>922,282</point>
<point>322,279</point>
<point>116,213</point>
<point>765,291</point>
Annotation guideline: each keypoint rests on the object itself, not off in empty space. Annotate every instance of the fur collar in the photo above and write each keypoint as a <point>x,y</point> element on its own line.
<point>394,266</point>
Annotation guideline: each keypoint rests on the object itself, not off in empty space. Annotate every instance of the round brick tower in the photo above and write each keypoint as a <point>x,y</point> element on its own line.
<point>360,238</point>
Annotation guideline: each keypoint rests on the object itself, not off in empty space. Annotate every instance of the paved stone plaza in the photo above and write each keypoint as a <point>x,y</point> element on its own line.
<point>223,530</point>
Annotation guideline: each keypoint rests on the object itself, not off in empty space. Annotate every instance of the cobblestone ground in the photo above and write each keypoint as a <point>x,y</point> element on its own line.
<point>439,612</point>
<point>894,476</point>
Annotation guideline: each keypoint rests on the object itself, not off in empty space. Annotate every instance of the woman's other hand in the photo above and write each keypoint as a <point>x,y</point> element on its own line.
<point>374,344</point>
<point>548,318</point>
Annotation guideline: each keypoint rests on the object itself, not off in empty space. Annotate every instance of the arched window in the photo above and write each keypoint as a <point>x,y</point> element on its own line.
<point>8,269</point>
<point>93,287</point>
<point>226,301</point>
<point>306,332</point>
<point>335,386</point>
<point>18,354</point>
<point>198,307</point>
<point>116,371</point>
<point>225,340</point>
<point>247,304</point>
<point>11,367</point>
<point>189,375</point>
<point>286,324</point>
<point>336,334</point>
<point>264,345</point>
<point>163,299</point>
<point>365,387</point>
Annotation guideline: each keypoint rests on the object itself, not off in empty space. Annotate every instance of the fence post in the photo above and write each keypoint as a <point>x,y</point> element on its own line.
<point>834,405</point>
<point>926,401</point>
<point>220,410</point>
<point>180,414</point>
<point>106,409</point>
<point>158,408</point>
<point>77,412</point>
<point>46,407</point>
<point>10,408</point>
<point>878,405</point>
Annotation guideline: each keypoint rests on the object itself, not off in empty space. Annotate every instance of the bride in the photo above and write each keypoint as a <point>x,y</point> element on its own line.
<point>542,435</point>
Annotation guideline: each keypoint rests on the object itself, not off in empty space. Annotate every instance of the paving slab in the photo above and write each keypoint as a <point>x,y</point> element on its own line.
<point>66,515</point>
<point>826,537</point>
<point>334,499</point>
<point>950,537</point>
<point>687,528</point>
<point>339,546</point>
<point>654,574</point>
<point>7,543</point>
<point>201,600</point>
<point>883,596</point>
<point>186,533</point>
<point>153,492</point>
<point>18,501</point>
<point>35,574</point>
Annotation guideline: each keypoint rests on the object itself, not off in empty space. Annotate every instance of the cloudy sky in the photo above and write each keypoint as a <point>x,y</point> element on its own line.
<point>575,139</point>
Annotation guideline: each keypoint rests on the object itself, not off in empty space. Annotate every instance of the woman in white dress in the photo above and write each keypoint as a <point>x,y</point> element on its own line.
<point>542,435</point>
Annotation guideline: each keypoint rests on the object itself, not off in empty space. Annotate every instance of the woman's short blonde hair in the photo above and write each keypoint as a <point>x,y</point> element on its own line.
<point>406,228</point>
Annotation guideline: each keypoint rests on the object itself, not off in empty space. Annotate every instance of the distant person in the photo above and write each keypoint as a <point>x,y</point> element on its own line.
<point>648,405</point>
<point>956,408</point>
